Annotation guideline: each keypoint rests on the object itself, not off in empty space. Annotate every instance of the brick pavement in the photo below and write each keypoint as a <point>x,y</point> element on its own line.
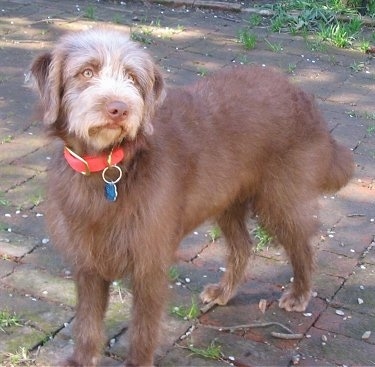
<point>188,43</point>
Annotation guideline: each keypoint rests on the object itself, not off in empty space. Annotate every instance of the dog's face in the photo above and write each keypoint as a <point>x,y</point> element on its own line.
<point>101,85</point>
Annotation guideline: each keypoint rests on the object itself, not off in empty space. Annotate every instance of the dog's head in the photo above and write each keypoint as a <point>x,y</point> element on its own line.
<point>99,87</point>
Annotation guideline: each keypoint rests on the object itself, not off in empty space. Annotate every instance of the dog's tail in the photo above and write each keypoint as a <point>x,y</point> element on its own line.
<point>340,168</point>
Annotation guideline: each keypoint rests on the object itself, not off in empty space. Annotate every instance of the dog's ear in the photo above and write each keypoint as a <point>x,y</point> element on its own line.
<point>159,86</point>
<point>155,99</point>
<point>47,80</point>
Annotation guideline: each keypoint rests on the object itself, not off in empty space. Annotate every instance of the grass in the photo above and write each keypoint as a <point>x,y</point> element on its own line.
<point>90,13</point>
<point>247,39</point>
<point>214,233</point>
<point>371,129</point>
<point>357,66</point>
<point>321,18</point>
<point>263,237</point>
<point>36,198</point>
<point>274,47</point>
<point>8,139</point>
<point>187,312</point>
<point>202,71</point>
<point>212,351</point>
<point>173,274</point>
<point>255,20</point>
<point>7,320</point>
<point>292,68</point>
<point>3,201</point>
<point>142,35</point>
<point>20,358</point>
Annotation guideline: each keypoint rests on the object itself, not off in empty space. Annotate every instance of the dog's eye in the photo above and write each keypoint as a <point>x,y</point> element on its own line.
<point>88,73</point>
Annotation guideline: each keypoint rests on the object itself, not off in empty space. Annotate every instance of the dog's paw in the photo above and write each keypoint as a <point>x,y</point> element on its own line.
<point>290,302</point>
<point>215,293</point>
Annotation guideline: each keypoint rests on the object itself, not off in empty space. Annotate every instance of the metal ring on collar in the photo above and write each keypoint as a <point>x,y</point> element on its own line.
<point>117,179</point>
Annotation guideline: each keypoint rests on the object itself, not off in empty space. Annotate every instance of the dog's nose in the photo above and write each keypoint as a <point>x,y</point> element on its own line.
<point>117,109</point>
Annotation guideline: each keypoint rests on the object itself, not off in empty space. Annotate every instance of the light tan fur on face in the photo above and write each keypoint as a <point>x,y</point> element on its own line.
<point>84,76</point>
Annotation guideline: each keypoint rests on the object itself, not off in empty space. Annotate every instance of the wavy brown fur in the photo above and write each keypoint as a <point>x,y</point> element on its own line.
<point>244,138</point>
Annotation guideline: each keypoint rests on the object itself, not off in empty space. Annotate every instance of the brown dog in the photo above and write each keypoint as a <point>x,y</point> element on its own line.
<point>242,139</point>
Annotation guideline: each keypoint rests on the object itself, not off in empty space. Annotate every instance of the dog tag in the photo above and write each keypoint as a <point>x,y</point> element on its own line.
<point>110,191</point>
<point>110,188</point>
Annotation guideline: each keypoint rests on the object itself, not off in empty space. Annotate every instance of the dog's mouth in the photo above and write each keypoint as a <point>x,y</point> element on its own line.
<point>111,126</point>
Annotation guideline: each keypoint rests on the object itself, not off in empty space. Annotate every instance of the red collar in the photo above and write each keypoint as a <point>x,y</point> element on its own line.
<point>88,164</point>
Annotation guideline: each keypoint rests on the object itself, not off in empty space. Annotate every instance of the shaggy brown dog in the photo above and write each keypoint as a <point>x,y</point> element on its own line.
<point>243,138</point>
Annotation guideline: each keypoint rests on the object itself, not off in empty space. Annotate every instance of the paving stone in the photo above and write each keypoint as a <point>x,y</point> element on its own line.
<point>351,324</point>
<point>19,337</point>
<point>338,349</point>
<point>41,284</point>
<point>15,245</point>
<point>351,291</point>
<point>36,313</point>
<point>245,352</point>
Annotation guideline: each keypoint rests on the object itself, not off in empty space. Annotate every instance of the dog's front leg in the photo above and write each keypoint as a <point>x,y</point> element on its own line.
<point>149,296</point>
<point>92,292</point>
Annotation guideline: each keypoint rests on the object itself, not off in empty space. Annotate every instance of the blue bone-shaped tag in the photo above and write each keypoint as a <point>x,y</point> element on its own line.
<point>110,191</point>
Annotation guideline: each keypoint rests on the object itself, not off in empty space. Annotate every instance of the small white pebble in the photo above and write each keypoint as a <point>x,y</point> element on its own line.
<point>323,343</point>
<point>45,292</point>
<point>9,229</point>
<point>178,283</point>
<point>187,280</point>
<point>196,233</point>
<point>231,358</point>
<point>223,269</point>
<point>66,324</point>
<point>112,342</point>
<point>361,287</point>
<point>372,220</point>
<point>8,215</point>
<point>45,241</point>
<point>39,214</point>
<point>324,338</point>
<point>307,314</point>
<point>18,211</point>
<point>363,267</point>
<point>314,294</point>
<point>360,301</point>
<point>366,335</point>
<point>352,250</point>
<point>308,336</point>
<point>340,312</point>
<point>24,215</point>
<point>292,279</point>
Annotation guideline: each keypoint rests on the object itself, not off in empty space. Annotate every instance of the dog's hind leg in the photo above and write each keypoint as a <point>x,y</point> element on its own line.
<point>292,222</point>
<point>88,328</point>
<point>233,225</point>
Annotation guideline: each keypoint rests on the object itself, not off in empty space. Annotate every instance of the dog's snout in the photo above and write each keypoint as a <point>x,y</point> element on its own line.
<point>117,109</point>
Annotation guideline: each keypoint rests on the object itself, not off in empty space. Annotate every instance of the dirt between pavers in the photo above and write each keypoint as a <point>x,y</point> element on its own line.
<point>37,286</point>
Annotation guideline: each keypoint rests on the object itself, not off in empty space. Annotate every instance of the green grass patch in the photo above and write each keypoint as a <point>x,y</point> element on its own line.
<point>8,319</point>
<point>20,358</point>
<point>212,351</point>
<point>214,233</point>
<point>321,18</point>
<point>187,312</point>
<point>247,39</point>
<point>263,238</point>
